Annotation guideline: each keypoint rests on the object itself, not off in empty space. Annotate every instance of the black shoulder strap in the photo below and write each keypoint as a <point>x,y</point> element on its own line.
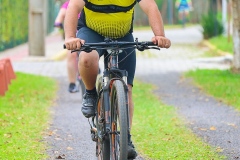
<point>108,8</point>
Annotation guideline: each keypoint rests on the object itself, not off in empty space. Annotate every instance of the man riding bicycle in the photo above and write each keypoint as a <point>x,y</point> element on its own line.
<point>113,19</point>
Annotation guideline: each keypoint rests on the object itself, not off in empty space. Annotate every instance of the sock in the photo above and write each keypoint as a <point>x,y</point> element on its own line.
<point>72,84</point>
<point>92,91</point>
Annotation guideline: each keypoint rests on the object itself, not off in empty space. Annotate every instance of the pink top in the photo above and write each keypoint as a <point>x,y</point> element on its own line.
<point>65,4</point>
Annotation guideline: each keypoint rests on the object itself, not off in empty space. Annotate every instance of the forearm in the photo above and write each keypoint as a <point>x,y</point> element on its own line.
<point>70,22</point>
<point>71,18</point>
<point>156,23</point>
<point>60,16</point>
<point>154,17</point>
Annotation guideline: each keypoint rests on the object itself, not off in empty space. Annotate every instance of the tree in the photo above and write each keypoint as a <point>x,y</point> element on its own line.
<point>236,35</point>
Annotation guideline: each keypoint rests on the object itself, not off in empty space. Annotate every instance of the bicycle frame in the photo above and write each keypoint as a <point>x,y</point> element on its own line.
<point>110,74</point>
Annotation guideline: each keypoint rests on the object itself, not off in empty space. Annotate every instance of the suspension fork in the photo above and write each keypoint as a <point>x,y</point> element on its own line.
<point>106,105</point>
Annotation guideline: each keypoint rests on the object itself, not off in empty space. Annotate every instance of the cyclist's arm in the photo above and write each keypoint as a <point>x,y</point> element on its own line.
<point>70,25</point>
<point>60,17</point>
<point>156,22</point>
<point>154,16</point>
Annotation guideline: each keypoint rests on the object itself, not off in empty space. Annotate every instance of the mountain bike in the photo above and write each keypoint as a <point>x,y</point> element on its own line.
<point>110,125</point>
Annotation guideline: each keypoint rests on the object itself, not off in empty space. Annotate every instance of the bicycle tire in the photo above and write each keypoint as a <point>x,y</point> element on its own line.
<point>102,144</point>
<point>119,121</point>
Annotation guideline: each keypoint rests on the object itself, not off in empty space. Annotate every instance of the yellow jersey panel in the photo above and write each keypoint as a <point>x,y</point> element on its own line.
<point>110,18</point>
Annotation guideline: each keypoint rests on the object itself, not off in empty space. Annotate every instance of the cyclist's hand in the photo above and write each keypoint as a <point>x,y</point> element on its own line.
<point>162,41</point>
<point>73,43</point>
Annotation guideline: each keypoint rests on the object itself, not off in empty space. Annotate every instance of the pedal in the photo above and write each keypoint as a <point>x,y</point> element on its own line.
<point>94,138</point>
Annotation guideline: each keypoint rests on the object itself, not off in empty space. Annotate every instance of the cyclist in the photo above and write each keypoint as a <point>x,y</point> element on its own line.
<point>183,6</point>
<point>113,19</point>
<point>71,57</point>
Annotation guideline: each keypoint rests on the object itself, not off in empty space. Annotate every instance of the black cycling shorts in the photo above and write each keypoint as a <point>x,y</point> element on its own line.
<point>126,59</point>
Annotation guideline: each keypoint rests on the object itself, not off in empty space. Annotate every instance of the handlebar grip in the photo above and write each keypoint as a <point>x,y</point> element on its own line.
<point>151,44</point>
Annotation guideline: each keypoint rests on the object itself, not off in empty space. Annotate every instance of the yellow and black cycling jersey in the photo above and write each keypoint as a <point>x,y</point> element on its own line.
<point>109,18</point>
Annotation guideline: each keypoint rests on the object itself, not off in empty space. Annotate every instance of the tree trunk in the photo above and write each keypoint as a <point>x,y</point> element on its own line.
<point>236,35</point>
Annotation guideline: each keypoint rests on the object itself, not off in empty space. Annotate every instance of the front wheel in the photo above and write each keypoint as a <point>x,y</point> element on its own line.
<point>119,121</point>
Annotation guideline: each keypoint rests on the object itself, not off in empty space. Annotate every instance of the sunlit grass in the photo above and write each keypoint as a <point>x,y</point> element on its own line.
<point>223,85</point>
<point>24,115</point>
<point>222,43</point>
<point>159,133</point>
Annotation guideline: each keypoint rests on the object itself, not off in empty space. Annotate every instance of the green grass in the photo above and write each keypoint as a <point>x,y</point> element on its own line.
<point>158,133</point>
<point>223,85</point>
<point>24,115</point>
<point>221,43</point>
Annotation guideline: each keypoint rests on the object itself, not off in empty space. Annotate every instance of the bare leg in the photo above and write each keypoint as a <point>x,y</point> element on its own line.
<point>72,66</point>
<point>88,67</point>
<point>180,15</point>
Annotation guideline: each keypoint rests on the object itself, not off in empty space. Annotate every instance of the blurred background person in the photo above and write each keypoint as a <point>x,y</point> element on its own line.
<point>183,7</point>
<point>71,57</point>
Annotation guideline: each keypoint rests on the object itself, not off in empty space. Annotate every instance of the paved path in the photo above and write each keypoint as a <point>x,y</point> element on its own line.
<point>69,136</point>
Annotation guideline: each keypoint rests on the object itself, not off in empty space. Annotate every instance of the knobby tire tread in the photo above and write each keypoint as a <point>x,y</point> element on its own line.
<point>118,96</point>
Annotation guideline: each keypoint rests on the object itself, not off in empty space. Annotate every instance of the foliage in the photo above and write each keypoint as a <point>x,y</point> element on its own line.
<point>212,26</point>
<point>14,22</point>
<point>159,133</point>
<point>24,115</point>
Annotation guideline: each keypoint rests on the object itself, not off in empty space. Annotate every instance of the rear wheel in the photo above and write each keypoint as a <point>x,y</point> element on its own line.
<point>119,121</point>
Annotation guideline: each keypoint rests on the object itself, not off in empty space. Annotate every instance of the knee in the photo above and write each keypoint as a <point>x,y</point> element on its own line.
<point>87,60</point>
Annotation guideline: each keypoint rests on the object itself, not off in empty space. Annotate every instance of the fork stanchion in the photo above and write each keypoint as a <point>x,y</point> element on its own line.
<point>3,81</point>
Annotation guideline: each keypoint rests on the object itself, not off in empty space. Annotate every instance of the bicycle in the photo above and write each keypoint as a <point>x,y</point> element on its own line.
<point>110,126</point>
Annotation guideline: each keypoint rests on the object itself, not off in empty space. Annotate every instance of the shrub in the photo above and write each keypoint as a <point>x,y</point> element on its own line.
<point>212,26</point>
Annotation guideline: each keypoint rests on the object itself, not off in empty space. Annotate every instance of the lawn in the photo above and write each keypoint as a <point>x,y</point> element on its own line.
<point>223,85</point>
<point>222,43</point>
<point>24,117</point>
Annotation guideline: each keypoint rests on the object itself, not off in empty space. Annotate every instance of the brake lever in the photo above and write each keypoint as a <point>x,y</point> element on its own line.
<point>87,49</point>
<point>144,47</point>
<point>157,48</point>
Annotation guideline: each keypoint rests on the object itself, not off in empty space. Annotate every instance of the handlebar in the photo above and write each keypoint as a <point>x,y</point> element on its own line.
<point>141,46</point>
